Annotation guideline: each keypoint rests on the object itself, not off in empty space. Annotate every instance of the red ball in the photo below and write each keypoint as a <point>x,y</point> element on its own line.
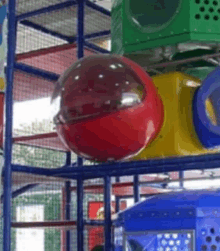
<point>107,108</point>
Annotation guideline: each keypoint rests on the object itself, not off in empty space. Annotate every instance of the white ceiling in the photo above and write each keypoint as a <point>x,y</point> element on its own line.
<point>104,3</point>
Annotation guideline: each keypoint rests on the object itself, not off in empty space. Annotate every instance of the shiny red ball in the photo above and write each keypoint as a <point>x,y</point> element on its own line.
<point>106,108</point>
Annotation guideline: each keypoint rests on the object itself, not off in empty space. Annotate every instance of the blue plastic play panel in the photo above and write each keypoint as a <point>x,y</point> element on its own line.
<point>208,132</point>
<point>181,221</point>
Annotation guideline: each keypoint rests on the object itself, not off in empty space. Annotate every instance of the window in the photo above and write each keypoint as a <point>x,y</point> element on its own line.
<point>30,239</point>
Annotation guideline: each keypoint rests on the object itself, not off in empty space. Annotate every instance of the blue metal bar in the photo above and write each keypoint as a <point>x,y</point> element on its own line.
<point>98,8</point>
<point>79,161</point>
<point>94,222</point>
<point>128,168</point>
<point>181,177</point>
<point>47,31</point>
<point>108,222</point>
<point>80,220</point>
<point>38,72</point>
<point>117,204</point>
<point>98,34</point>
<point>20,191</point>
<point>149,166</point>
<point>80,54</point>
<point>48,9</point>
<point>80,28</point>
<point>8,126</point>
<point>117,198</point>
<point>136,189</point>
<point>96,48</point>
<point>68,203</point>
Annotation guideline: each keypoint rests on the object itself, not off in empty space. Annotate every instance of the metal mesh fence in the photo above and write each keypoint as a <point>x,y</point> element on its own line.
<point>45,48</point>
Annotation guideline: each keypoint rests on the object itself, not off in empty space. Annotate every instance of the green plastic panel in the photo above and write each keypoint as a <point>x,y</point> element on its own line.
<point>146,24</point>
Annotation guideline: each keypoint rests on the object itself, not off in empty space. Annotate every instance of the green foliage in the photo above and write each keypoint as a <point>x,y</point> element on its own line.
<point>52,211</point>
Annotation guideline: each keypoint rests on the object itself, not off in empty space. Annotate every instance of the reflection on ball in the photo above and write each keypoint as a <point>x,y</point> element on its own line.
<point>106,108</point>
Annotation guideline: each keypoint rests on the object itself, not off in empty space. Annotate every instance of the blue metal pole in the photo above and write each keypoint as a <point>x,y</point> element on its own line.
<point>20,191</point>
<point>47,31</point>
<point>117,198</point>
<point>98,34</point>
<point>107,203</point>
<point>181,177</point>
<point>8,126</point>
<point>38,72</point>
<point>136,189</point>
<point>80,54</point>
<point>68,203</point>
<point>80,220</point>
<point>128,168</point>
<point>81,13</point>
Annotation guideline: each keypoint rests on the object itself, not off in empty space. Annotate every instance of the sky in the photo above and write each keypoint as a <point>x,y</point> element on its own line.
<point>30,111</point>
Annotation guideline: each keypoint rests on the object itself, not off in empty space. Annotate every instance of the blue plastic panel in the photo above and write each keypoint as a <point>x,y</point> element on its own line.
<point>161,241</point>
<point>207,131</point>
<point>208,234</point>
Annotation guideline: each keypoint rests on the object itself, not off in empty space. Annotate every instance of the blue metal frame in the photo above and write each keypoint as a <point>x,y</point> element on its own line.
<point>47,31</point>
<point>117,198</point>
<point>68,203</point>
<point>70,171</point>
<point>96,48</point>
<point>38,72</point>
<point>61,36</point>
<point>20,191</point>
<point>136,189</point>
<point>80,54</point>
<point>181,177</point>
<point>107,206</point>
<point>98,8</point>
<point>128,168</point>
<point>46,10</point>
<point>8,127</point>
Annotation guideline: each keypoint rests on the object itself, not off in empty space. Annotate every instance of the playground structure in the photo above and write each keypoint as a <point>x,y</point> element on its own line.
<point>40,174</point>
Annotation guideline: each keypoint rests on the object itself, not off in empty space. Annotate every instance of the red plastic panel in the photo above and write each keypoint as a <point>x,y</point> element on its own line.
<point>55,59</point>
<point>30,87</point>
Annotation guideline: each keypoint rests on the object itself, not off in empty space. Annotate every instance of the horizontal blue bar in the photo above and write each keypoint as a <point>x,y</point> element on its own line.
<point>152,165</point>
<point>47,31</point>
<point>38,72</point>
<point>20,191</point>
<point>46,10</point>
<point>98,34</point>
<point>129,168</point>
<point>98,8</point>
<point>94,222</point>
<point>95,47</point>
